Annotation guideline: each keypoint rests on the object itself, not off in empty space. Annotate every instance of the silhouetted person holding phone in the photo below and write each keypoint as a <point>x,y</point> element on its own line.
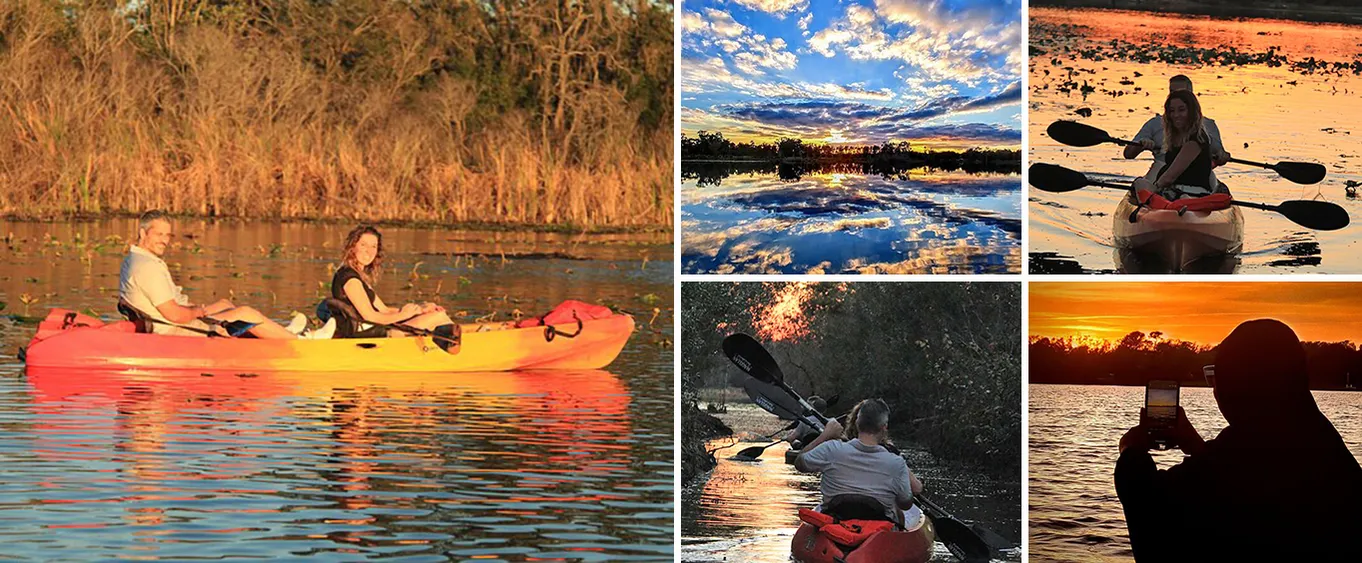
<point>1278,484</point>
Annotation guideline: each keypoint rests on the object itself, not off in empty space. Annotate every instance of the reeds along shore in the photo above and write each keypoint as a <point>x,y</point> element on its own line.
<point>515,113</point>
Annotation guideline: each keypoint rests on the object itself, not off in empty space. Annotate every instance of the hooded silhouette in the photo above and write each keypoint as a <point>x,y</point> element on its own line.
<point>1277,484</point>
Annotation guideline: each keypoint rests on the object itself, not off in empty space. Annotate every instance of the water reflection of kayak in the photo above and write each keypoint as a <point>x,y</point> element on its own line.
<point>66,339</point>
<point>1173,239</point>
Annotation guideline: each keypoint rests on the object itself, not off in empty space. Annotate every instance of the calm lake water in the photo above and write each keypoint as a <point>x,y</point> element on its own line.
<point>550,466</point>
<point>838,219</point>
<point>748,511</point>
<point>1074,512</point>
<point>1265,113</point>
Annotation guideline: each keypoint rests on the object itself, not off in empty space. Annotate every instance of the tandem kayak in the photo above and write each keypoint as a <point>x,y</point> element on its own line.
<point>1174,236</point>
<point>67,339</point>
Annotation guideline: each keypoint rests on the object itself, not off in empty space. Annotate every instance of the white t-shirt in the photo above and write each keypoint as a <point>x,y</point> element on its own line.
<point>855,468</point>
<point>144,282</point>
<point>1153,131</point>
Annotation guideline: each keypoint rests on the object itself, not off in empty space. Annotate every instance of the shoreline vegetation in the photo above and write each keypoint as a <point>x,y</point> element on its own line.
<point>713,148</point>
<point>1314,11</point>
<point>663,232</point>
<point>1140,357</point>
<point>518,114</point>
<point>946,357</point>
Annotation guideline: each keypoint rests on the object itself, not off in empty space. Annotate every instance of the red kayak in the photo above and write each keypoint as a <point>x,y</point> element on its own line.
<point>823,538</point>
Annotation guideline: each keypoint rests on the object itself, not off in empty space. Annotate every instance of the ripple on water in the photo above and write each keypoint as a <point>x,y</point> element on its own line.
<point>171,466</point>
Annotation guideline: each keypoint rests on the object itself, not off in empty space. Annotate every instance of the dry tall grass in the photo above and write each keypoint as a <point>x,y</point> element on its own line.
<point>527,113</point>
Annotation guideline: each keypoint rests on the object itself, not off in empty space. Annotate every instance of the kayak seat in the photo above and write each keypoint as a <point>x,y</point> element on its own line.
<point>348,322</point>
<point>138,319</point>
<point>855,507</point>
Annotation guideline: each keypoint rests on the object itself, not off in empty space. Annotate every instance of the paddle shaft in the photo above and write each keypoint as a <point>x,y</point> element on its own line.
<point>1248,204</point>
<point>419,332</point>
<point>237,327</point>
<point>1273,167</point>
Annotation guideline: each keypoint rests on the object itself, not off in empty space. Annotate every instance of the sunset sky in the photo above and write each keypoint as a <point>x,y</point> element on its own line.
<point>1205,312</point>
<point>939,72</point>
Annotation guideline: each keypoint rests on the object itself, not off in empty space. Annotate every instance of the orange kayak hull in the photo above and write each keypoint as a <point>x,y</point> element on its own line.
<point>70,340</point>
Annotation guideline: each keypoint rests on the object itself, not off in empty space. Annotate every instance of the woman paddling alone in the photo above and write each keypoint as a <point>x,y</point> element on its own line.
<point>1187,145</point>
<point>353,283</point>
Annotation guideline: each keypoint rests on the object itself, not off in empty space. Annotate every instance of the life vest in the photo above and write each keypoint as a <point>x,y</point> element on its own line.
<point>849,533</point>
<point>1211,202</point>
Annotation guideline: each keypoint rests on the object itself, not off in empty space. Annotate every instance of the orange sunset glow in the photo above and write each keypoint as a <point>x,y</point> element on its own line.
<point>784,319</point>
<point>1200,312</point>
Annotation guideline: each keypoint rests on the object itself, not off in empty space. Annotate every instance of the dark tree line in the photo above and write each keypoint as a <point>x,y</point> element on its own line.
<point>713,146</point>
<point>946,356</point>
<point>1140,357</point>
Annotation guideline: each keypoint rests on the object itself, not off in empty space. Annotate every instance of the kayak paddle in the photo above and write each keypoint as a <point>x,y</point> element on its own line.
<point>1308,213</point>
<point>754,452</point>
<point>752,358</point>
<point>1077,134</point>
<point>749,355</point>
<point>969,547</point>
<point>444,336</point>
<point>233,329</point>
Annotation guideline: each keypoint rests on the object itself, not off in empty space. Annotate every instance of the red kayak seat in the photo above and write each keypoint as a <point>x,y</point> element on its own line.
<point>138,319</point>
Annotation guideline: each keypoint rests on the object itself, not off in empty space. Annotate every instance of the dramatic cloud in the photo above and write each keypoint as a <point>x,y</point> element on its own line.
<point>862,122</point>
<point>750,52</point>
<point>711,75</point>
<point>970,44</point>
<point>778,8</point>
<point>945,71</point>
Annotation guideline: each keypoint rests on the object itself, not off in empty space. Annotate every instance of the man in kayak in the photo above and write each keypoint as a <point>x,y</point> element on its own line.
<point>864,465</point>
<point>1151,137</point>
<point>145,284</point>
<point>1278,484</point>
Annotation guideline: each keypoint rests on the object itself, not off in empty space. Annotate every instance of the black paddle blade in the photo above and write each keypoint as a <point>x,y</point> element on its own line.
<point>772,399</point>
<point>1314,214</point>
<point>1300,172</point>
<point>749,454</point>
<point>1076,134</point>
<point>237,329</point>
<point>447,337</point>
<point>1056,179</point>
<point>749,356</point>
<point>962,541</point>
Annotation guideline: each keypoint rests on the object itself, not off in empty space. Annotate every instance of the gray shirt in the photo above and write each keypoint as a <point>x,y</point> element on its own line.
<point>855,468</point>
<point>144,282</point>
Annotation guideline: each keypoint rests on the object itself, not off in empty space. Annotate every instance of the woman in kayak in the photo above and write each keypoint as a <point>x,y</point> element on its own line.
<point>1187,145</point>
<point>864,464</point>
<point>353,283</point>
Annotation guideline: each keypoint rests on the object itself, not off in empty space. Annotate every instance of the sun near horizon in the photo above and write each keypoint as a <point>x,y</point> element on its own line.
<point>1201,312</point>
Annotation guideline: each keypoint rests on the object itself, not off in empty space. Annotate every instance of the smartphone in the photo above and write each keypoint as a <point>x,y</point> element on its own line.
<point>1161,412</point>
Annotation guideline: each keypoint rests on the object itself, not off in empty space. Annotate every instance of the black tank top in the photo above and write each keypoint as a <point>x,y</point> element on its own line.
<point>343,276</point>
<point>1198,173</point>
